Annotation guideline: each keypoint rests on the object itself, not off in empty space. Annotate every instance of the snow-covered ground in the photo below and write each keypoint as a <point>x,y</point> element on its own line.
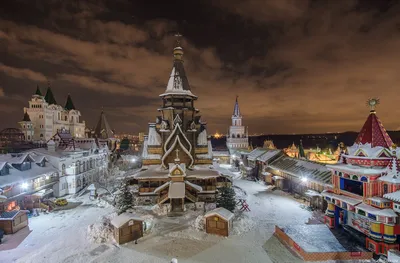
<point>76,235</point>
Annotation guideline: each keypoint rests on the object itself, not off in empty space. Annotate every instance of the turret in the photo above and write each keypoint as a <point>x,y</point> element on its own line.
<point>49,98</point>
<point>69,105</point>
<point>27,127</point>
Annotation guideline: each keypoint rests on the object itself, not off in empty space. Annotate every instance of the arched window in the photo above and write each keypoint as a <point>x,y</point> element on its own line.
<point>340,174</point>
<point>63,169</point>
<point>41,135</point>
<point>84,166</point>
<point>354,177</point>
<point>233,135</point>
<point>385,189</point>
<point>364,179</point>
<point>87,165</point>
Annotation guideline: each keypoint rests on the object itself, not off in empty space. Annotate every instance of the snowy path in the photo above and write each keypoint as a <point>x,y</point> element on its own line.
<point>61,237</point>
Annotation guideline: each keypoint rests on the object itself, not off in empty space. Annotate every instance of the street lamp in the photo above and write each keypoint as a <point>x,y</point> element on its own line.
<point>304,179</point>
<point>24,186</point>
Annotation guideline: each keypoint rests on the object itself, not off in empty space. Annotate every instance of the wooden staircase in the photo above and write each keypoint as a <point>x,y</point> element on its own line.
<point>190,197</point>
<point>163,199</point>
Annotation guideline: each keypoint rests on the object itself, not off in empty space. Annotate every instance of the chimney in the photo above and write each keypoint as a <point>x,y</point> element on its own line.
<point>51,146</point>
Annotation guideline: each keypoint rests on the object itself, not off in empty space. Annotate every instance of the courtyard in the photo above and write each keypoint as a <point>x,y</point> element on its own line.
<point>80,234</point>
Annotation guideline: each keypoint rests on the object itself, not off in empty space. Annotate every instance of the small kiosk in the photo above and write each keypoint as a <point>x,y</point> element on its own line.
<point>219,221</point>
<point>127,227</point>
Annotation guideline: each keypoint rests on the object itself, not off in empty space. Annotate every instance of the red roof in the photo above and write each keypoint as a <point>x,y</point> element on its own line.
<point>374,133</point>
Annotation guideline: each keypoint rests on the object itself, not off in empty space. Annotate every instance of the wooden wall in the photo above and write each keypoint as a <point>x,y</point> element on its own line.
<point>217,225</point>
<point>127,233</point>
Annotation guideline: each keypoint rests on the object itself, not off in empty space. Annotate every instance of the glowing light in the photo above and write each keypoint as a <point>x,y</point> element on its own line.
<point>24,185</point>
<point>304,179</point>
<point>217,135</point>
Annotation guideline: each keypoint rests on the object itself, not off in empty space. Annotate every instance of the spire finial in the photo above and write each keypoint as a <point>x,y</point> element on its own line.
<point>178,39</point>
<point>178,51</point>
<point>372,103</point>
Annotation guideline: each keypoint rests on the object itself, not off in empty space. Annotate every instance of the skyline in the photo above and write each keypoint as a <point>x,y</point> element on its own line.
<point>293,71</point>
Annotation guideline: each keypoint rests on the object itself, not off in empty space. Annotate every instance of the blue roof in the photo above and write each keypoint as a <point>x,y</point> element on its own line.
<point>8,215</point>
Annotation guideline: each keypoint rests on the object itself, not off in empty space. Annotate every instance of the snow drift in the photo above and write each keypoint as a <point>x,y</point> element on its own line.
<point>101,231</point>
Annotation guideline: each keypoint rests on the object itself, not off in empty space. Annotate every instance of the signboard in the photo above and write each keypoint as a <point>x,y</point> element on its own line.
<point>355,254</point>
<point>358,222</point>
<point>130,223</point>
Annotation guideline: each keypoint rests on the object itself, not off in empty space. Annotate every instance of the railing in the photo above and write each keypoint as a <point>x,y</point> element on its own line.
<point>191,197</point>
<point>163,198</point>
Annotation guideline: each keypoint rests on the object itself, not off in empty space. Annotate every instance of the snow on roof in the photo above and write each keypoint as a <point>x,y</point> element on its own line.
<point>367,149</point>
<point>390,179</point>
<point>314,238</point>
<point>378,199</point>
<point>173,166</point>
<point>257,152</point>
<point>343,198</point>
<point>312,193</point>
<point>202,138</point>
<point>277,177</point>
<point>122,219</point>
<point>146,155</point>
<point>376,211</point>
<point>222,212</point>
<point>313,171</point>
<point>357,169</point>
<point>2,164</point>
<point>16,176</point>
<point>395,196</point>
<point>158,189</point>
<point>3,198</point>
<point>195,186</point>
<point>91,187</point>
<point>154,137</point>
<point>18,159</point>
<point>221,153</point>
<point>176,190</point>
<point>268,155</point>
<point>9,215</point>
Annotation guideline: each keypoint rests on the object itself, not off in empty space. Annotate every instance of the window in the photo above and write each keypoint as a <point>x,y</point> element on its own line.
<point>63,169</point>
<point>385,188</point>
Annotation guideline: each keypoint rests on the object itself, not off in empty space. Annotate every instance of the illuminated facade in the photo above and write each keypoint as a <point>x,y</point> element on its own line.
<point>179,126</point>
<point>366,184</point>
<point>44,117</point>
<point>238,135</point>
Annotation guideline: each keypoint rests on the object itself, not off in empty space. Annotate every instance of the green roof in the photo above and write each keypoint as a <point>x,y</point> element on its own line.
<point>38,92</point>
<point>50,97</point>
<point>69,105</point>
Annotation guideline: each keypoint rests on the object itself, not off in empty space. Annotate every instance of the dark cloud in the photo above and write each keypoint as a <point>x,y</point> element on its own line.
<point>297,65</point>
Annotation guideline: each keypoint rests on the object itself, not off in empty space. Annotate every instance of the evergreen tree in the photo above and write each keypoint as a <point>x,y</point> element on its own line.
<point>124,199</point>
<point>226,198</point>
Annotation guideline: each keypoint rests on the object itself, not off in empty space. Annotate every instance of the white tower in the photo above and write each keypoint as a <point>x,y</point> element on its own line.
<point>27,127</point>
<point>237,137</point>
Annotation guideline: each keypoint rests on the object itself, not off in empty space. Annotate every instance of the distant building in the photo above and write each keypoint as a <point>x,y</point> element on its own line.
<point>44,117</point>
<point>238,135</point>
<point>141,137</point>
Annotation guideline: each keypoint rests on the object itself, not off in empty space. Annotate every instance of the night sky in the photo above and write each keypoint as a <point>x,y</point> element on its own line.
<point>298,66</point>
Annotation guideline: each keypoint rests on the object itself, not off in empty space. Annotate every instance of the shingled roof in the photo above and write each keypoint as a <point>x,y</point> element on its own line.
<point>374,133</point>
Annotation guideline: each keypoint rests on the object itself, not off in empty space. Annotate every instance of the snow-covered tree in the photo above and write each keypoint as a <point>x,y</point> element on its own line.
<point>124,198</point>
<point>226,198</point>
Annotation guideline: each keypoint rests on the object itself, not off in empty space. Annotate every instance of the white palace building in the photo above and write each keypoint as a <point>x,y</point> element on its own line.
<point>44,117</point>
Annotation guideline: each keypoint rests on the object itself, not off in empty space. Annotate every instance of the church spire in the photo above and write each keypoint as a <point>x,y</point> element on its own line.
<point>373,131</point>
<point>301,150</point>
<point>236,110</point>
<point>38,92</point>
<point>69,105</point>
<point>49,98</point>
<point>178,83</point>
